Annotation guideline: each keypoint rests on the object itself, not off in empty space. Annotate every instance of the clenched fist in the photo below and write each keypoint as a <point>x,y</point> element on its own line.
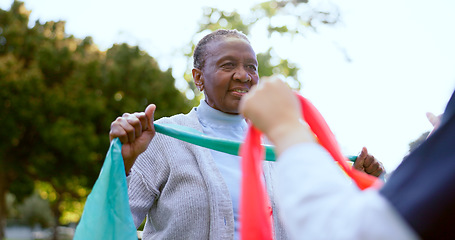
<point>135,131</point>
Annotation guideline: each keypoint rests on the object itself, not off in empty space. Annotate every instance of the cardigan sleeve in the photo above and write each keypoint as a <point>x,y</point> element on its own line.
<point>140,197</point>
<point>147,176</point>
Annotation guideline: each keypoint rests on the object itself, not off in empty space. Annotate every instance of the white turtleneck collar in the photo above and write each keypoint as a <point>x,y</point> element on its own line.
<point>212,118</point>
<point>227,126</point>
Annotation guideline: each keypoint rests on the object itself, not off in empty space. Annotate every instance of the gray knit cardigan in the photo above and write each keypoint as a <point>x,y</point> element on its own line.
<point>178,187</point>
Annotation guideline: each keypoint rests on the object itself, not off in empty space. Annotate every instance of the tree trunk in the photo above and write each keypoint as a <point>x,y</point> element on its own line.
<point>57,213</point>
<point>2,205</point>
<point>55,233</point>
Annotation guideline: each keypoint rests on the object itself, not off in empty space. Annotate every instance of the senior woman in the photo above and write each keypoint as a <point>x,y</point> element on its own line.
<point>186,191</point>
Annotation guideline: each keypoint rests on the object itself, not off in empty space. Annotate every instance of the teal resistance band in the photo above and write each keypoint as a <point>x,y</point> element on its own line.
<point>223,145</point>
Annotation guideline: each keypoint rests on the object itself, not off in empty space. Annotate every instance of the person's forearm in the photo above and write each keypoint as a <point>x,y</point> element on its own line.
<point>319,202</point>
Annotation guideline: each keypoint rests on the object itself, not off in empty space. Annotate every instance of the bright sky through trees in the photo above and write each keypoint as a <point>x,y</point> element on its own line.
<point>373,76</point>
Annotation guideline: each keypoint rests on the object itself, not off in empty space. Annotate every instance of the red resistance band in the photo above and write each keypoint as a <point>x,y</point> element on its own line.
<point>255,211</point>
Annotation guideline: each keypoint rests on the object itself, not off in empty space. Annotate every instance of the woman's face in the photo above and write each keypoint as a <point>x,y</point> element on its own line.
<point>229,72</point>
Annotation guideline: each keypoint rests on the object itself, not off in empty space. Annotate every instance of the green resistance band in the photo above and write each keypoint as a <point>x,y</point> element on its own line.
<point>223,145</point>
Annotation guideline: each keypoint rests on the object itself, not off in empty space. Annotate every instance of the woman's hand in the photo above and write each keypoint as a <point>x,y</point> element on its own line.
<point>368,163</point>
<point>135,131</point>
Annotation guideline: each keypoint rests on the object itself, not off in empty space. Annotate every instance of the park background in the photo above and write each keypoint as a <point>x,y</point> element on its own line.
<point>68,68</point>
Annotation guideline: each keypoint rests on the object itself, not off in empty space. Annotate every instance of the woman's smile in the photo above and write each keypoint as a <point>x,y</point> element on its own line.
<point>239,92</point>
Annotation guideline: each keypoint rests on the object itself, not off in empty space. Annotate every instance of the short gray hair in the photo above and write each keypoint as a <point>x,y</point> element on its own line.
<point>201,48</point>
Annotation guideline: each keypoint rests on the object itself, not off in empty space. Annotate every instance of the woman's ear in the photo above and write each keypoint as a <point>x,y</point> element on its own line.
<point>198,79</point>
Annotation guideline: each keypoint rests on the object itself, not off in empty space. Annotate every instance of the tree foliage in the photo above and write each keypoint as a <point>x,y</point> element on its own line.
<point>58,96</point>
<point>285,18</point>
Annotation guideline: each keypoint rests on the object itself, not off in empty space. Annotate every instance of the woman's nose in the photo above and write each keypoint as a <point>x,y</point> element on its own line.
<point>242,75</point>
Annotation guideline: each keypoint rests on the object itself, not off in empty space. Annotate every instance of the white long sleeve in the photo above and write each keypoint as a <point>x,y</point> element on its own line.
<point>318,202</point>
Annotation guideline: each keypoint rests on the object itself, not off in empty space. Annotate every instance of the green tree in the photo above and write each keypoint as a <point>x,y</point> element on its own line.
<point>132,80</point>
<point>59,95</point>
<point>285,18</point>
<point>35,210</point>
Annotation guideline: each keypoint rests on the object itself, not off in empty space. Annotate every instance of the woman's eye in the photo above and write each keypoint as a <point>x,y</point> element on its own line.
<point>252,67</point>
